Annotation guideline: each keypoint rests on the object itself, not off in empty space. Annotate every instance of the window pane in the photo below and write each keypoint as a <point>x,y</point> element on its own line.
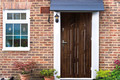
<point>9,41</point>
<point>16,41</point>
<point>24,29</point>
<point>9,29</point>
<point>16,15</point>
<point>9,16</point>
<point>24,41</point>
<point>16,29</point>
<point>23,15</point>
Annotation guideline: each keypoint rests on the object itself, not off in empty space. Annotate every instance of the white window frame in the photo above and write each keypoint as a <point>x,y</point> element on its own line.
<point>13,22</point>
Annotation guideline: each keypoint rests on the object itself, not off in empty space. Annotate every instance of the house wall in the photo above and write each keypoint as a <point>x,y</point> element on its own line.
<point>41,37</point>
<point>109,34</point>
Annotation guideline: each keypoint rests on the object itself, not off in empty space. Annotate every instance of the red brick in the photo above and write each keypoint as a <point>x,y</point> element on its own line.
<point>45,10</point>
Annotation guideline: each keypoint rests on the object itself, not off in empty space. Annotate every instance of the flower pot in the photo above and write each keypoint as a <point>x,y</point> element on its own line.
<point>24,76</point>
<point>49,78</point>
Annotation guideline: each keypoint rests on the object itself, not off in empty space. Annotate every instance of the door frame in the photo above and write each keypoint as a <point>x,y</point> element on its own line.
<point>94,46</point>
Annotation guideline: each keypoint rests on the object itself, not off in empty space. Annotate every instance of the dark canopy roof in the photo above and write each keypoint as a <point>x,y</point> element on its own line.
<point>76,5</point>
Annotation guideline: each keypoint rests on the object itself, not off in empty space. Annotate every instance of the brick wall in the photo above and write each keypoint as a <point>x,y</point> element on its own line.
<point>109,34</point>
<point>41,37</point>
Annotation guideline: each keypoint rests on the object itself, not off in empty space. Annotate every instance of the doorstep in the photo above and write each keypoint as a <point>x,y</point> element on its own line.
<point>76,79</point>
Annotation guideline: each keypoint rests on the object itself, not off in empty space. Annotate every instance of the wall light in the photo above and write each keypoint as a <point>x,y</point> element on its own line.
<point>56,18</point>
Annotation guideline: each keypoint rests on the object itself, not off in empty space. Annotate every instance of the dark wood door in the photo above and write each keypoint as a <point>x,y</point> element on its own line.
<point>76,45</point>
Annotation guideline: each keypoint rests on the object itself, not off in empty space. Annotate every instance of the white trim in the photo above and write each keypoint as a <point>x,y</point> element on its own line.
<point>16,21</point>
<point>95,46</point>
<point>57,45</point>
<point>95,43</point>
<point>16,49</point>
<point>75,79</point>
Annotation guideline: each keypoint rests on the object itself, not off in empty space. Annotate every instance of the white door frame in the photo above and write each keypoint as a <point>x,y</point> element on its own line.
<point>94,46</point>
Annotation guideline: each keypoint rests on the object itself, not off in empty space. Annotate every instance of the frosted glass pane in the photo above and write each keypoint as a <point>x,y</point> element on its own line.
<point>9,29</point>
<point>24,29</point>
<point>24,41</point>
<point>9,41</point>
<point>9,16</point>
<point>16,29</point>
<point>16,15</point>
<point>16,41</point>
<point>23,15</point>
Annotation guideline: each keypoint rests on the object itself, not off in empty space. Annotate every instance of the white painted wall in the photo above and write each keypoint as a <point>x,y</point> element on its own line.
<point>95,46</point>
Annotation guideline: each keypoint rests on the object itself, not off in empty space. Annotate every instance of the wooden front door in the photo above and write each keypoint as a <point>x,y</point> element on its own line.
<point>76,45</point>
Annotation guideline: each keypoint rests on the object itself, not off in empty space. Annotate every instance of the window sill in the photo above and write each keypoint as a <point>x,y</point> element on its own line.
<point>16,49</point>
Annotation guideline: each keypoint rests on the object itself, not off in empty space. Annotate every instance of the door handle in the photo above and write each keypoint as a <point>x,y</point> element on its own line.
<point>63,42</point>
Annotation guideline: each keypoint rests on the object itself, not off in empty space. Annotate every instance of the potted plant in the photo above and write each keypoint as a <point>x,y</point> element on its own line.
<point>49,74</point>
<point>25,68</point>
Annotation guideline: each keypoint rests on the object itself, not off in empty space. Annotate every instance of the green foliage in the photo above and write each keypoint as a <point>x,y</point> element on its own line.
<point>103,74</point>
<point>115,74</point>
<point>42,78</point>
<point>58,77</point>
<point>107,75</point>
<point>48,73</point>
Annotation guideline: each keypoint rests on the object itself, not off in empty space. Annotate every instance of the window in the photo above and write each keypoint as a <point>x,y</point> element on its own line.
<point>16,30</point>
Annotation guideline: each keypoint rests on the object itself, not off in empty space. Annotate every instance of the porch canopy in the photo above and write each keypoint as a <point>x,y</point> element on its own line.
<point>76,5</point>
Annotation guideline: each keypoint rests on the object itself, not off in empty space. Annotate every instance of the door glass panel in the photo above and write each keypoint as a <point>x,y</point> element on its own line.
<point>24,29</point>
<point>16,29</point>
<point>9,41</point>
<point>16,15</point>
<point>24,41</point>
<point>16,41</point>
<point>9,29</point>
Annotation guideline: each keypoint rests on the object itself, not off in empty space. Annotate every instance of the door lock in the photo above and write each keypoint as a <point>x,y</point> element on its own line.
<point>63,42</point>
